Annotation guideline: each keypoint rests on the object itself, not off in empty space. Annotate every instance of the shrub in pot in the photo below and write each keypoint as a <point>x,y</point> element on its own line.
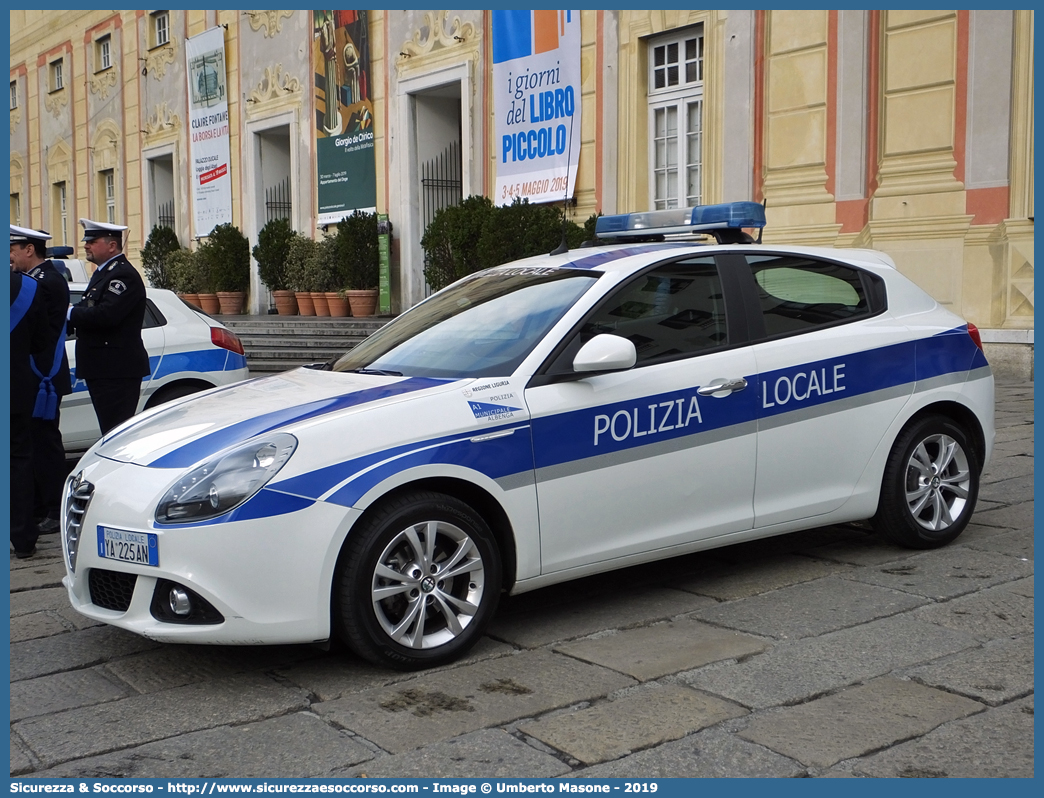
<point>186,275</point>
<point>301,254</point>
<point>162,241</point>
<point>358,261</point>
<point>357,250</point>
<point>322,274</point>
<point>226,257</point>
<point>273,264</point>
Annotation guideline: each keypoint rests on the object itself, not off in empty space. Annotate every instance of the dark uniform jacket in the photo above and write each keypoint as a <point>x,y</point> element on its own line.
<point>107,323</point>
<point>54,290</point>
<point>30,334</point>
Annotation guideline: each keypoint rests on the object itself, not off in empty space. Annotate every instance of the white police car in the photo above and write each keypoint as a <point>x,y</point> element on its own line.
<point>188,352</point>
<point>534,423</point>
<point>73,269</point>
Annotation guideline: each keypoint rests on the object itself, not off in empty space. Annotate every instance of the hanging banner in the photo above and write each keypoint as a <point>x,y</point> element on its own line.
<point>208,128</point>
<point>536,102</point>
<point>345,157</point>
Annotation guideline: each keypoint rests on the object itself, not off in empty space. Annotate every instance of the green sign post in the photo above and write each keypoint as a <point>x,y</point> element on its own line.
<point>384,247</point>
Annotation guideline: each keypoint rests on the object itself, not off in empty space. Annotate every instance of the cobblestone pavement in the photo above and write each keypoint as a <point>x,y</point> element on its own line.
<point>822,653</point>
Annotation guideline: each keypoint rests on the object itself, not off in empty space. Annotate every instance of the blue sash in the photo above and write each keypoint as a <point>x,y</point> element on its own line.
<point>22,302</point>
<point>47,397</point>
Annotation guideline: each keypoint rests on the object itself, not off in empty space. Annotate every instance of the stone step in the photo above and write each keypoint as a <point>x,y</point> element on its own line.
<point>278,343</point>
<point>302,340</point>
<point>340,326</point>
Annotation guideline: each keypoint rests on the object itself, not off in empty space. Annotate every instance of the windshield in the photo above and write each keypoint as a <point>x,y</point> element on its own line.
<point>484,326</point>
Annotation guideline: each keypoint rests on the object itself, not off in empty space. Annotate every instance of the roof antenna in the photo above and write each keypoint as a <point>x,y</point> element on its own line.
<point>764,204</point>
<point>563,245</point>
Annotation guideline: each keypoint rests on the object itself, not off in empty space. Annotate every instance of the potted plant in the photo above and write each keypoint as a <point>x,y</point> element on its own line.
<point>300,253</point>
<point>202,280</point>
<point>358,257</point>
<point>320,275</point>
<point>225,255</point>
<point>330,278</point>
<point>338,303</point>
<point>271,254</point>
<point>186,275</point>
<point>162,241</point>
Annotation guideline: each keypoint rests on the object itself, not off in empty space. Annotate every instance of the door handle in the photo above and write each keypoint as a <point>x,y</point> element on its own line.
<point>493,435</point>
<point>722,387</point>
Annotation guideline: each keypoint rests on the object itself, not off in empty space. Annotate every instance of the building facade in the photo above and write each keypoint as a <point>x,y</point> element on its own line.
<point>909,132</point>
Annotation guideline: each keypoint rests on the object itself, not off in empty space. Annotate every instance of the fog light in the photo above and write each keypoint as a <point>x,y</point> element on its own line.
<point>180,604</point>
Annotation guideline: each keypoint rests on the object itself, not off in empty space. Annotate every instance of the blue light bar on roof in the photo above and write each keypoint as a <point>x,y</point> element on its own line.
<point>702,218</point>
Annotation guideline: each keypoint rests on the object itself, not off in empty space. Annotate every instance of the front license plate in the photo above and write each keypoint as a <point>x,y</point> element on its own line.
<point>141,548</point>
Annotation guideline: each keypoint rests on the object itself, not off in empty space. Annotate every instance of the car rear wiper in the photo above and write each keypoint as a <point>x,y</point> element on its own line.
<point>381,372</point>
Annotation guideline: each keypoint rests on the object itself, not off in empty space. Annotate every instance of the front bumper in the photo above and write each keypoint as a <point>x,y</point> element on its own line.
<point>269,578</point>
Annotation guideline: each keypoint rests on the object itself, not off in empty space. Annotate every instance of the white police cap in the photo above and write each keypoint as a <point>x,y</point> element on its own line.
<point>23,235</point>
<point>93,230</point>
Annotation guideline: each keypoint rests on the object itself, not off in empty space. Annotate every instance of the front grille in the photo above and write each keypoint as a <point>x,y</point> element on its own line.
<point>111,590</point>
<point>78,498</point>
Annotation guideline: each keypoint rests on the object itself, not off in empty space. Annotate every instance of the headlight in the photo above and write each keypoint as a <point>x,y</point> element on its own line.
<point>226,481</point>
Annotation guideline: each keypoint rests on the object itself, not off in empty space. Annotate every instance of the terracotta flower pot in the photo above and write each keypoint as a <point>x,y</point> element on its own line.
<point>363,303</point>
<point>338,304</point>
<point>285,302</point>
<point>192,299</point>
<point>209,303</point>
<point>304,303</point>
<point>319,300</point>
<point>231,302</point>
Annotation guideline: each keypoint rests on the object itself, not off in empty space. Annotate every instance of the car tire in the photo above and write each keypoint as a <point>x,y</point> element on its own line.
<point>930,485</point>
<point>171,392</point>
<point>404,601</point>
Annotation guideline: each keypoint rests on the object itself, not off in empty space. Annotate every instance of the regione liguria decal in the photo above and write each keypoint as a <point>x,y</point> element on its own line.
<point>492,401</point>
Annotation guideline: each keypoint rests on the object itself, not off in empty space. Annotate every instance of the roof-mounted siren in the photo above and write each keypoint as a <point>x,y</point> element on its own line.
<point>59,252</point>
<point>725,222</point>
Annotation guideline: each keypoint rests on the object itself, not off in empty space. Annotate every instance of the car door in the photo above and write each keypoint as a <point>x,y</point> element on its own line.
<point>634,461</point>
<point>154,337</point>
<point>833,373</point>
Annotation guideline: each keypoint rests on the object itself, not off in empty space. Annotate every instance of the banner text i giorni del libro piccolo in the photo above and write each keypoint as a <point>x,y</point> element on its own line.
<point>536,90</point>
<point>208,141</point>
<point>347,171</point>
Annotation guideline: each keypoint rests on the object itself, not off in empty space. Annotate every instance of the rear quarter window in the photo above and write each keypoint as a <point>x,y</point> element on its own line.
<point>798,294</point>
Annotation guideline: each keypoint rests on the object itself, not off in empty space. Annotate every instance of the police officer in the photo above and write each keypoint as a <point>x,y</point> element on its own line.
<point>29,333</point>
<point>51,366</point>
<point>110,355</point>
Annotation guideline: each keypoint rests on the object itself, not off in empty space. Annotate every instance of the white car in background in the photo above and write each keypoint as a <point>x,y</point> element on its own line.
<point>74,270</point>
<point>188,352</point>
<point>534,423</point>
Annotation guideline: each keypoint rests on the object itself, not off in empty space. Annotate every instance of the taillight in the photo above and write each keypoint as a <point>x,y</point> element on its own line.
<point>973,331</point>
<point>219,336</point>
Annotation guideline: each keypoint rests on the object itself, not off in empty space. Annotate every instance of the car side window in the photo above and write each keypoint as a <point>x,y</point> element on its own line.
<point>675,310</point>
<point>153,317</point>
<point>798,294</point>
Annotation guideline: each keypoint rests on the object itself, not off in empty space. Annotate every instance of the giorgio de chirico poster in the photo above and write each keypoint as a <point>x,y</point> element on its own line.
<point>347,178</point>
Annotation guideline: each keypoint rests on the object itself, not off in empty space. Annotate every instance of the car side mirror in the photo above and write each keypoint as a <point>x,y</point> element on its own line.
<point>605,352</point>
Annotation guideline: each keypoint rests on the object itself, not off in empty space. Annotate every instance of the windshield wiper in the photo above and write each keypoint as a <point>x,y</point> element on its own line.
<point>380,372</point>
